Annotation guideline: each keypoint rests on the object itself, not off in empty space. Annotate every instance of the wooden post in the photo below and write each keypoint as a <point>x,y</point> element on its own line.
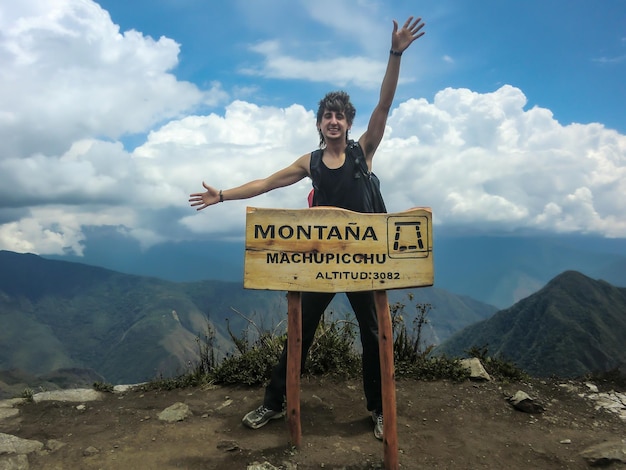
<point>294,359</point>
<point>387,372</point>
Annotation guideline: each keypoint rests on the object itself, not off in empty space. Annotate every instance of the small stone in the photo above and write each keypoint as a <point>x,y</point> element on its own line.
<point>17,462</point>
<point>73,395</point>
<point>521,401</point>
<point>11,402</point>
<point>54,444</point>
<point>569,387</point>
<point>6,413</point>
<point>10,444</point>
<point>605,453</point>
<point>177,412</point>
<point>475,368</point>
<point>225,404</point>
<point>261,466</point>
<point>228,446</point>
<point>89,451</point>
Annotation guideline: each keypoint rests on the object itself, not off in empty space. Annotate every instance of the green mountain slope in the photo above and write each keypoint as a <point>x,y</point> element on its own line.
<point>573,326</point>
<point>126,328</point>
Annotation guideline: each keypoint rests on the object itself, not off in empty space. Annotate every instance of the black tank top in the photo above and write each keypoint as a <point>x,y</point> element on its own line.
<point>339,187</point>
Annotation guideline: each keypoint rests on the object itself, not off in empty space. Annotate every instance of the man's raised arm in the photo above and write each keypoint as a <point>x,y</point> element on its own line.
<point>401,39</point>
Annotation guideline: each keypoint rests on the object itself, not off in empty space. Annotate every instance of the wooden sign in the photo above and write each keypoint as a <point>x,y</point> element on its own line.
<point>327,249</point>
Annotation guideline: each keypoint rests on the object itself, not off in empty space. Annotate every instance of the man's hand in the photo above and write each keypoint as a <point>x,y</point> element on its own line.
<point>203,200</point>
<point>402,38</point>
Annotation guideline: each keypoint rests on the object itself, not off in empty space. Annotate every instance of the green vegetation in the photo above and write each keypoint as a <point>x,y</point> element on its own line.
<point>412,358</point>
<point>333,353</point>
<point>103,387</point>
<point>28,394</point>
<point>253,361</point>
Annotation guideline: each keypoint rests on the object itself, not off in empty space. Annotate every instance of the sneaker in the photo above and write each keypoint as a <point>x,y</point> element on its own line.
<point>377,417</point>
<point>261,416</point>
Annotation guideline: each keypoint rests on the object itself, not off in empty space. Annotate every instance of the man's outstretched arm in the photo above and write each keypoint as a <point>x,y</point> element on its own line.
<point>285,177</point>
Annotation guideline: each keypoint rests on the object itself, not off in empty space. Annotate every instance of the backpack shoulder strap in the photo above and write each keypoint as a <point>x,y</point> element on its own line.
<point>316,170</point>
<point>315,167</point>
<point>359,157</point>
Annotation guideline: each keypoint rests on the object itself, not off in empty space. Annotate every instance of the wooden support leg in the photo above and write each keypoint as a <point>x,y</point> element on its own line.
<point>387,371</point>
<point>294,359</point>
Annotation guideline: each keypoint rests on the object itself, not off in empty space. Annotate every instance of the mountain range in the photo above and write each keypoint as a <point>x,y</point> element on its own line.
<point>61,316</point>
<point>61,320</point>
<point>573,326</point>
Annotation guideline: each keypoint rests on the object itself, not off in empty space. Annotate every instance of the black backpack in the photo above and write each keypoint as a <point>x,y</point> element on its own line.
<point>370,184</point>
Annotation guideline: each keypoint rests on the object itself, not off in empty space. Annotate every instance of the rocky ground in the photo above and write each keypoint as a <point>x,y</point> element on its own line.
<point>441,425</point>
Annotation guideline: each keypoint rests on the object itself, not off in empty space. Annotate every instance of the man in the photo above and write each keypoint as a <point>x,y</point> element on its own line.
<point>337,188</point>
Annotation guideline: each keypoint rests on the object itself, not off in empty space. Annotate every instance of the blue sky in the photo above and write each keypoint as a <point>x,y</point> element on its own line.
<point>568,56</point>
<point>508,117</point>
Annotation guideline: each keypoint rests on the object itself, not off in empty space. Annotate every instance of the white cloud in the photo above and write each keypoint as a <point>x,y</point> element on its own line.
<point>338,70</point>
<point>68,73</point>
<point>58,229</point>
<point>611,60</point>
<point>477,159</point>
<point>482,158</point>
<point>72,85</point>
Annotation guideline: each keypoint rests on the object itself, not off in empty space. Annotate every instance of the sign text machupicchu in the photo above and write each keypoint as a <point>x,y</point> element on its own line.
<point>334,250</point>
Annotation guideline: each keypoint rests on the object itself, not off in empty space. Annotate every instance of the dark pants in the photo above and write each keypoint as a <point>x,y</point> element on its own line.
<point>313,306</point>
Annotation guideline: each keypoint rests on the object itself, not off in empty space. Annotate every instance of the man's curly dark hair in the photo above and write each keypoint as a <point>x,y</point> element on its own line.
<point>337,101</point>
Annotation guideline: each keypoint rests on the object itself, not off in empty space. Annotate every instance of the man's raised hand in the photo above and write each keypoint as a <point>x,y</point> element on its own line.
<point>410,31</point>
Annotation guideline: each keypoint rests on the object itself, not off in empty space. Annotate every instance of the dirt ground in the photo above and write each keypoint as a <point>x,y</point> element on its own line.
<point>441,425</point>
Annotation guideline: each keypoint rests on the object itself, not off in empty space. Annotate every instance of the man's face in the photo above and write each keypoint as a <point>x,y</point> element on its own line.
<point>333,125</point>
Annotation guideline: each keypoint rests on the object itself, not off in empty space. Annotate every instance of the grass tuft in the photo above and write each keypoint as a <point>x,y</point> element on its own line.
<point>333,353</point>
